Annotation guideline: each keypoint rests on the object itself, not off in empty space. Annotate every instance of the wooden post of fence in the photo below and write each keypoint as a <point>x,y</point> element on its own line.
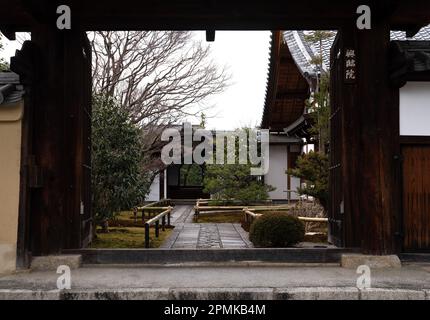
<point>196,212</point>
<point>146,235</point>
<point>246,215</point>
<point>135,214</point>
<point>163,223</point>
<point>157,228</point>
<point>168,216</point>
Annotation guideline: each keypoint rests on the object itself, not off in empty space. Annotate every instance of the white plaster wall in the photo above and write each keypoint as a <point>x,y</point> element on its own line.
<point>295,183</point>
<point>277,177</point>
<point>415,109</point>
<point>154,193</point>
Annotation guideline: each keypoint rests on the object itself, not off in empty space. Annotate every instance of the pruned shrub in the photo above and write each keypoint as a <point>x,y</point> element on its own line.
<point>276,229</point>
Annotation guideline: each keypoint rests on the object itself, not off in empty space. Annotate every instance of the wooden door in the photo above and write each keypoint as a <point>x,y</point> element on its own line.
<point>416,197</point>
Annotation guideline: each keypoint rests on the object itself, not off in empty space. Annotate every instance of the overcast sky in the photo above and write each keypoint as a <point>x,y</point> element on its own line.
<point>246,54</point>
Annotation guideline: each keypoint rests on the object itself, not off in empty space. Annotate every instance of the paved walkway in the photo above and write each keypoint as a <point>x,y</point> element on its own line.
<point>203,235</point>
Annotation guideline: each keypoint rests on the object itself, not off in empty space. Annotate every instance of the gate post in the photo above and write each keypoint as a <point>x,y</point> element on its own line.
<point>61,96</point>
<point>370,141</point>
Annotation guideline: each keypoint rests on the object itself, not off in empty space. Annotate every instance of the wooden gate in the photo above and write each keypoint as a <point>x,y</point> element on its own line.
<point>56,145</point>
<point>335,214</point>
<point>416,197</point>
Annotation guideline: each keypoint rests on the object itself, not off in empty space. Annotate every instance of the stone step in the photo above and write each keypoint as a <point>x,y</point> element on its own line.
<point>307,293</point>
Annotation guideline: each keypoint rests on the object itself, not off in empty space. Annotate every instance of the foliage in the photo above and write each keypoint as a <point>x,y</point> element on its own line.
<point>319,108</point>
<point>276,229</point>
<point>4,66</point>
<point>234,181</point>
<point>118,181</point>
<point>319,103</point>
<point>313,168</point>
<point>317,38</point>
<point>202,120</point>
<point>191,175</point>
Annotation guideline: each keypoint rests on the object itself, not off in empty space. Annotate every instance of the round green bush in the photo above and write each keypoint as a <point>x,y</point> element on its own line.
<point>276,229</point>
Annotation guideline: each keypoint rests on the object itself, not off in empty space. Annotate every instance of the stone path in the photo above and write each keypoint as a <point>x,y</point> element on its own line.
<point>188,235</point>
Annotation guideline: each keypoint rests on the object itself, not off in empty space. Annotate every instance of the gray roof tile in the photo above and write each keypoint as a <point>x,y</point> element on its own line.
<point>10,88</point>
<point>303,51</point>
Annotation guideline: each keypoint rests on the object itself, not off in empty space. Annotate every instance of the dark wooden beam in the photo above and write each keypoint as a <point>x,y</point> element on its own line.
<point>210,35</point>
<point>293,94</point>
<point>8,33</point>
<point>412,31</point>
<point>415,140</point>
<point>220,15</point>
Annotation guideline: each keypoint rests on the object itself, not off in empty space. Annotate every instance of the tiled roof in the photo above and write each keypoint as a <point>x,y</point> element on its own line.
<point>10,88</point>
<point>302,51</point>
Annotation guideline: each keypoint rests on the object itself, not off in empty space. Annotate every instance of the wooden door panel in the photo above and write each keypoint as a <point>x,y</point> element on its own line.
<point>416,197</point>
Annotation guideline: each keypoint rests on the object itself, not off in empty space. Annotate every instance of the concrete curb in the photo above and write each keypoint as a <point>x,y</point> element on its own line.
<point>307,293</point>
<point>233,264</point>
<point>6,294</point>
<point>352,261</point>
<point>175,256</point>
<point>73,261</point>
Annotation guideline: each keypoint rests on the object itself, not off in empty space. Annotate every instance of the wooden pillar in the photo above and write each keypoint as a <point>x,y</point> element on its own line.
<point>61,98</point>
<point>370,142</point>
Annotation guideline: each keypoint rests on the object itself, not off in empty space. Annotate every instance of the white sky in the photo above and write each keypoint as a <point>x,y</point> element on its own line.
<point>246,54</point>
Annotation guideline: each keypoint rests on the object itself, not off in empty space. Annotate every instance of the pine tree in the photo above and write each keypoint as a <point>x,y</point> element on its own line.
<point>319,104</point>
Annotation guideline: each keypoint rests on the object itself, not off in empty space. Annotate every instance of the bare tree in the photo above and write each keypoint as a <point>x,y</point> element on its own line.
<point>160,77</point>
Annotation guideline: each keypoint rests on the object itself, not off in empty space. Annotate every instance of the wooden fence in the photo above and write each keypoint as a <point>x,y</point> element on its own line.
<point>156,221</point>
<point>151,208</point>
<point>250,216</point>
<point>202,207</point>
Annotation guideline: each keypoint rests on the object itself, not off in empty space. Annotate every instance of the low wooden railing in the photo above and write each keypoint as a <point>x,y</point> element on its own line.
<point>202,206</point>
<point>205,202</point>
<point>250,216</point>
<point>289,192</point>
<point>156,220</point>
<point>151,208</point>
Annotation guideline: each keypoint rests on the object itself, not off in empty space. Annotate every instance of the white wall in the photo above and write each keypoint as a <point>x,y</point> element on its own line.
<point>415,109</point>
<point>154,193</point>
<point>277,177</point>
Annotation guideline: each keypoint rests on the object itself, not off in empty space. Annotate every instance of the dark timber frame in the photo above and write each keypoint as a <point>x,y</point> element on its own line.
<point>368,172</point>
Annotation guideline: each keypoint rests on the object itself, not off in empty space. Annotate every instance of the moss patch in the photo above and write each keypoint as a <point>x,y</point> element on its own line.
<point>126,219</point>
<point>220,218</point>
<point>119,237</point>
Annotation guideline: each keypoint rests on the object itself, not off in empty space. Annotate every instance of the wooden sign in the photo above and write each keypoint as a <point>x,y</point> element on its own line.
<point>350,69</point>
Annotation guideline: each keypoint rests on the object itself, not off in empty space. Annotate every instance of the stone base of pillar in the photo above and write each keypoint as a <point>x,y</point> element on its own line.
<point>54,261</point>
<point>352,261</point>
